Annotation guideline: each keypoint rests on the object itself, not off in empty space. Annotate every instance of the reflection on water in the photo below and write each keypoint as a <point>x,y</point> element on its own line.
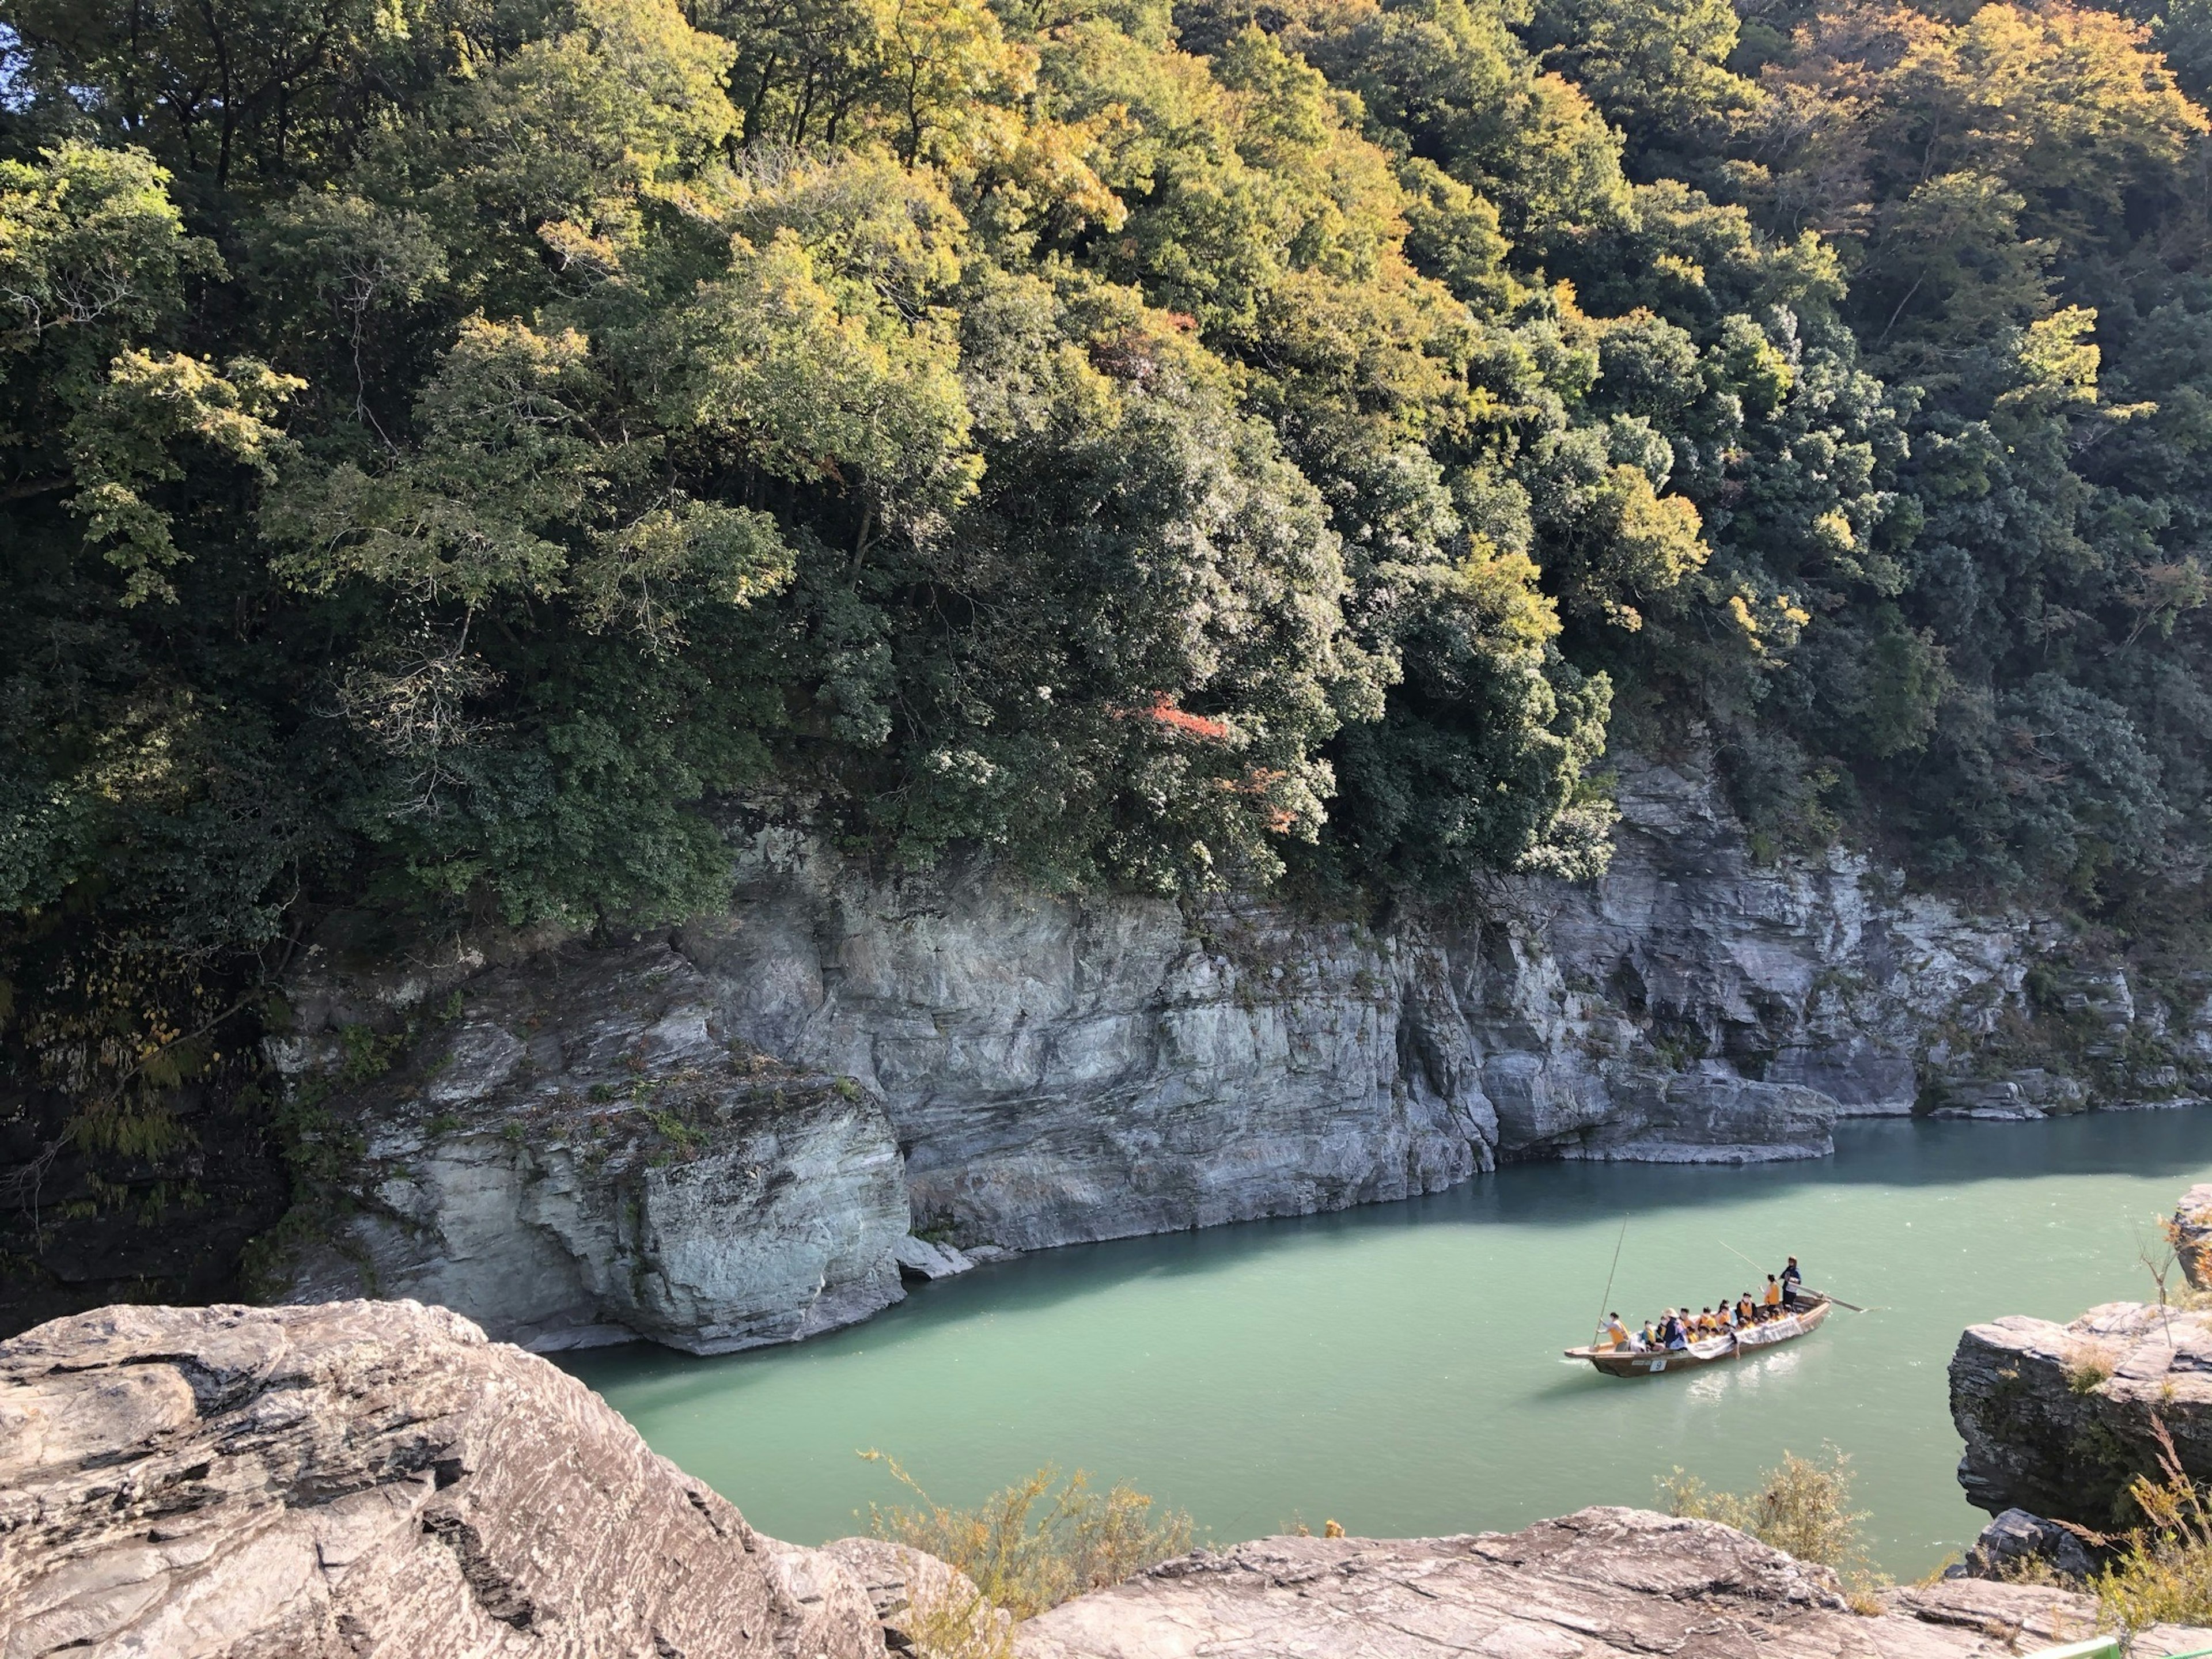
<point>1396,1368</point>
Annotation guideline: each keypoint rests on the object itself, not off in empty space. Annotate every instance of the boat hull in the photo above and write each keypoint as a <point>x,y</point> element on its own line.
<point>1713,1351</point>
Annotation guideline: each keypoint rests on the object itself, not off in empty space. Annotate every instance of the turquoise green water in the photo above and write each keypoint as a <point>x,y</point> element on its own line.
<point>1396,1368</point>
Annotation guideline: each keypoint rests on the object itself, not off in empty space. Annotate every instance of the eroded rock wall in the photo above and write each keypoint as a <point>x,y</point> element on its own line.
<point>1001,1067</point>
<point>574,1150</point>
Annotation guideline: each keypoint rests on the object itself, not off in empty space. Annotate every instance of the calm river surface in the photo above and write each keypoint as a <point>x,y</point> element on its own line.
<point>1396,1368</point>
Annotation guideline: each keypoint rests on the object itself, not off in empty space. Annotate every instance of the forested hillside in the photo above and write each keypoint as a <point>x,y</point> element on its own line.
<point>455,449</point>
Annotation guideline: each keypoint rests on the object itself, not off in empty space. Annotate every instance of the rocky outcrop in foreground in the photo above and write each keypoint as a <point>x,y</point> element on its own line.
<point>1601,1581</point>
<point>363,1478</point>
<point>2058,1419</point>
<point>719,1135</point>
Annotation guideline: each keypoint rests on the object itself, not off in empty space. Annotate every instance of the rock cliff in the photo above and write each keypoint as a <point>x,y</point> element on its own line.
<point>325,1482</point>
<point>2058,1420</point>
<point>845,1056</point>
<point>1600,1581</point>
<point>347,1479</point>
<point>585,1154</point>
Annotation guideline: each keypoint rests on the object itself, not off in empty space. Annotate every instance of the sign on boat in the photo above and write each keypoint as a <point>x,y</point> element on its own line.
<point>1808,1311</point>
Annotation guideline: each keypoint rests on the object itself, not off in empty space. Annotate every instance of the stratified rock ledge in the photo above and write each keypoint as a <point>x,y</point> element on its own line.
<point>2058,1419</point>
<point>1597,1582</point>
<point>365,1478</point>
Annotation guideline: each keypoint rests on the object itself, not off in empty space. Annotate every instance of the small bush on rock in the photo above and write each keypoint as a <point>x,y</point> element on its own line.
<point>2163,1572</point>
<point>1037,1543</point>
<point>1800,1507</point>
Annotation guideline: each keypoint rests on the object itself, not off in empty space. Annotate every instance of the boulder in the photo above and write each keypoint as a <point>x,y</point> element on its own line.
<point>2016,1540</point>
<point>2058,1420</point>
<point>1597,1582</point>
<point>365,1477</point>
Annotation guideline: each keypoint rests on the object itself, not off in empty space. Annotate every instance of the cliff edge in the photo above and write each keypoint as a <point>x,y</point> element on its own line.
<point>2058,1419</point>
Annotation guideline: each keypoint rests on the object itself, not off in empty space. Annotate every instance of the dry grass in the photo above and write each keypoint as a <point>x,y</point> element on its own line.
<point>2088,1365</point>
<point>1800,1507</point>
<point>1035,1544</point>
<point>956,1627</point>
<point>2163,1572</point>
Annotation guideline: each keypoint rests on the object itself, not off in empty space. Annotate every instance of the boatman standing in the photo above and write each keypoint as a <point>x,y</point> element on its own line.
<point>1792,1282</point>
<point>1615,1334</point>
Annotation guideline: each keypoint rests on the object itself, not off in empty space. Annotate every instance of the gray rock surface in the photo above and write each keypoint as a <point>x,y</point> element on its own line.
<point>925,1260</point>
<point>2190,1233</point>
<point>1598,1583</point>
<point>577,1154</point>
<point>2014,1540</point>
<point>356,1478</point>
<point>2057,1418</point>
<point>922,1603</point>
<point>1024,1069</point>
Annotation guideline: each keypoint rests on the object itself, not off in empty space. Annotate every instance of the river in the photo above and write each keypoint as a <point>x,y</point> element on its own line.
<point>1395,1368</point>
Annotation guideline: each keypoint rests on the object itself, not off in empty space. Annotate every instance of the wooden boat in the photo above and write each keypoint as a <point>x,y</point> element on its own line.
<point>1807,1314</point>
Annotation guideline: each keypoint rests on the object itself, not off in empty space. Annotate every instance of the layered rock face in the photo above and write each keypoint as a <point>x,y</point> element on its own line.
<point>578,1152</point>
<point>2058,1419</point>
<point>356,1478</point>
<point>1016,1069</point>
<point>1602,1581</point>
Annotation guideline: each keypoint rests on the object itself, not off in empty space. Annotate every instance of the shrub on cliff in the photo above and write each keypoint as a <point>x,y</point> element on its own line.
<point>1800,1506</point>
<point>1040,1541</point>
<point>2161,1572</point>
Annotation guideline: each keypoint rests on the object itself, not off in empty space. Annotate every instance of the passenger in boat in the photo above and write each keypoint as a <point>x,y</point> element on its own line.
<point>1746,1313</point>
<point>1646,1338</point>
<point>1678,1333</point>
<point>1773,1294</point>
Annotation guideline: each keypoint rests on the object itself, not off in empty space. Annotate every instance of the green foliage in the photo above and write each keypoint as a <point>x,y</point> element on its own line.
<point>474,455</point>
<point>1801,1507</point>
<point>2161,1570</point>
